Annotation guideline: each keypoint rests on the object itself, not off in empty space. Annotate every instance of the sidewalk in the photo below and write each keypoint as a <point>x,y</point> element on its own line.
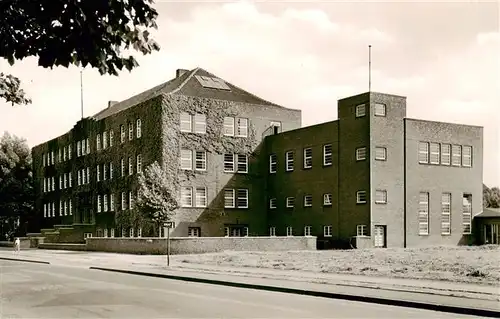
<point>443,292</point>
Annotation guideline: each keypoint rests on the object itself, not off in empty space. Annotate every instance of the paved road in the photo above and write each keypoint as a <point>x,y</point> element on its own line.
<point>46,291</point>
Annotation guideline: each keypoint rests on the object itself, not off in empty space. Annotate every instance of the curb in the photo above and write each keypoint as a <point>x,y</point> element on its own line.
<point>25,260</point>
<point>330,295</point>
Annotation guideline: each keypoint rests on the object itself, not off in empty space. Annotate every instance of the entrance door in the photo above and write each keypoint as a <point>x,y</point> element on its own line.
<point>379,236</point>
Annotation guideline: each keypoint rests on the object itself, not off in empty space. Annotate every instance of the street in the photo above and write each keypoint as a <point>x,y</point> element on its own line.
<point>30,290</point>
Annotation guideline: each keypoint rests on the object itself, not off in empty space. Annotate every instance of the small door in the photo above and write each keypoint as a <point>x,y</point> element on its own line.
<point>379,236</point>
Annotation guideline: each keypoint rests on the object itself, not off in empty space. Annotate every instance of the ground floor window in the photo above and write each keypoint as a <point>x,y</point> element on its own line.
<point>236,231</point>
<point>361,230</point>
<point>307,231</point>
<point>491,234</point>
<point>327,231</point>
<point>112,232</point>
<point>289,231</point>
<point>194,231</point>
<point>272,231</point>
<point>87,235</point>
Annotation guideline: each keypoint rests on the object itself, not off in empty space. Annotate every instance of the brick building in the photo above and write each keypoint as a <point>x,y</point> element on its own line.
<point>244,166</point>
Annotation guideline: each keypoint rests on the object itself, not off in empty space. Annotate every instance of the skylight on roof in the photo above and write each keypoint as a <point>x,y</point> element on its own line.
<point>212,82</point>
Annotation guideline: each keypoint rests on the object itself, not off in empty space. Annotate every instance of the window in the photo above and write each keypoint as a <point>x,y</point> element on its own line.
<point>187,197</point>
<point>105,199</point>
<point>138,163</point>
<point>98,142</point>
<point>360,110</point>
<point>360,153</point>
<point>52,156</point>
<point>139,232</point>
<point>272,203</point>
<point>423,152</point>
<point>111,202</point>
<point>242,127</point>
<point>289,231</point>
<point>290,202</point>
<point>361,197</point>
<point>104,140</point>
<point>98,203</point>
<point>65,180</point>
<point>122,166</point>
<point>112,232</point>
<point>130,131</point>
<point>65,208</point>
<point>60,208</point>
<point>289,161</point>
<point>69,151</point>
<point>111,135</point>
<point>380,153</point>
<point>88,175</point>
<point>123,201</point>
<point>327,199</point>
<point>467,156</point>
<point>70,180</point>
<point>229,126</point>
<point>380,196</point>
<point>104,172</point>
<point>245,232</point>
<point>105,232</point>
<point>327,155</point>
<point>242,198</point>
<point>138,128</point>
<point>272,231</point>
<point>456,151</point>
<point>87,144</point>
<point>186,159</point>
<point>53,183</point>
<point>71,207</point>
<point>78,149</point>
<point>64,153</point>
<point>361,230</point>
<point>201,161</point>
<point>308,200</point>
<point>111,170</point>
<point>185,122</point>
<point>467,214</point>
<point>272,163</point>
<point>122,133</point>
<point>98,173</point>
<point>193,231</point>
<point>380,109</point>
<point>60,182</point>
<point>201,197</point>
<point>226,231</point>
<point>423,214</point>
<point>200,123</point>
<point>307,231</point>
<point>327,231</point>
<point>43,160</point>
<point>445,154</point>
<point>308,157</point>
<point>242,163</point>
<point>130,166</point>
<point>79,177</point>
<point>445,214</point>
<point>229,201</point>
<point>131,232</point>
<point>130,200</point>
<point>228,163</point>
<point>434,153</point>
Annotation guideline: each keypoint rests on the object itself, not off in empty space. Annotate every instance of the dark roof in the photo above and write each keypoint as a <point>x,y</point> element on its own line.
<point>489,212</point>
<point>188,85</point>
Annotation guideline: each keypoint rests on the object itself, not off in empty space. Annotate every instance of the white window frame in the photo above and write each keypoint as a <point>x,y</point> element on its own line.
<point>138,163</point>
<point>378,156</point>
<point>70,207</point>
<point>104,140</point>
<point>99,203</point>
<point>110,170</point>
<point>308,200</point>
<point>104,172</point>
<point>361,231</point>
<point>64,154</point>
<point>380,196</point>
<point>434,154</point>
<point>290,202</point>
<point>123,201</point>
<point>229,127</point>
<point>242,127</point>
<point>360,110</point>
<point>185,159</point>
<point>70,180</point>
<point>105,202</point>
<point>361,153</point>
<point>327,199</point>
<point>201,197</point>
<point>98,172</point>
<point>423,152</point>
<point>242,198</point>
<point>88,175</point>
<point>130,200</point>
<point>138,128</point>
<point>289,161</point>
<point>111,202</point>
<point>226,231</point>
<point>186,196</point>
<point>272,231</point>
<point>65,208</point>
<point>273,163</point>
<point>456,154</point>
<point>131,232</point>
<point>130,166</point>
<point>289,231</point>
<point>242,163</point>
<point>65,180</point>
<point>111,136</point>
<point>307,231</point>
<point>185,122</point>
<point>445,213</point>
<point>78,149</point>
<point>193,231</point>
<point>445,154</point>
<point>122,167</point>
<point>60,208</point>
<point>466,159</point>
<point>380,109</point>
<point>122,133</point>
<point>359,197</point>
<point>98,142</point>
<point>327,231</point>
<point>327,155</point>
<point>227,163</point>
<point>308,158</point>
<point>229,195</point>
<point>87,142</point>
<point>467,215</point>
<point>272,203</point>
<point>200,123</point>
<point>130,131</point>
<point>423,213</point>
<point>202,161</point>
<point>79,177</point>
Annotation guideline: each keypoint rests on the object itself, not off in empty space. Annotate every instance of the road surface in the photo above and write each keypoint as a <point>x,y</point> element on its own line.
<point>46,291</point>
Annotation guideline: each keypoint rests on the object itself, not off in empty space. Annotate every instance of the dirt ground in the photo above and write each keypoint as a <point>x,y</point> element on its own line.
<point>479,264</point>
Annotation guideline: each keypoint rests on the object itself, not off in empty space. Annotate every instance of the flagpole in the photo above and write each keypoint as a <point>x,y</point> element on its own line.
<point>81,91</point>
<point>369,68</point>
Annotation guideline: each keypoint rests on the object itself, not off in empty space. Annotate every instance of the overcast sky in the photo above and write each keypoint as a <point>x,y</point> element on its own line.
<point>443,56</point>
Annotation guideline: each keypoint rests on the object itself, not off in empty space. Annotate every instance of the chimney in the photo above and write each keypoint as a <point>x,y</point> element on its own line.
<point>111,103</point>
<point>180,72</point>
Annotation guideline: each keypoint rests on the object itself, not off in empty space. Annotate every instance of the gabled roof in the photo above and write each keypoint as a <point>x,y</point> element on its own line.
<point>189,85</point>
<point>489,212</point>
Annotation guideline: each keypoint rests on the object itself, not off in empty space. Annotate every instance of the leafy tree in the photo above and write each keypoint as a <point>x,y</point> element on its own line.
<point>77,32</point>
<point>16,182</point>
<point>491,197</point>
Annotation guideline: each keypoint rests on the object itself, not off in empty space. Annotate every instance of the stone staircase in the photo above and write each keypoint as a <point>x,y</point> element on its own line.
<point>67,233</point>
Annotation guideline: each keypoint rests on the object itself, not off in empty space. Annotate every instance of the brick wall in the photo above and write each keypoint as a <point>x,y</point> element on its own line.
<point>187,245</point>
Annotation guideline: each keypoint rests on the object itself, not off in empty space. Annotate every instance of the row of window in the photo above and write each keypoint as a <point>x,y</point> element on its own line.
<point>197,123</point>
<point>197,197</point>
<point>106,202</point>
<point>380,198</point>
<point>307,159</point>
<point>423,214</point>
<point>65,208</point>
<point>233,163</point>
<point>48,159</point>
<point>65,181</point>
<point>380,110</point>
<point>327,231</point>
<point>444,154</point>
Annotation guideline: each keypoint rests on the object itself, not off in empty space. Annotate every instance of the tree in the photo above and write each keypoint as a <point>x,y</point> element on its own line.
<point>77,32</point>
<point>491,197</point>
<point>16,182</point>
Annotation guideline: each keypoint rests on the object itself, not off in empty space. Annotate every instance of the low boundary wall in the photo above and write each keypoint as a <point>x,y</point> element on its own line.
<point>198,245</point>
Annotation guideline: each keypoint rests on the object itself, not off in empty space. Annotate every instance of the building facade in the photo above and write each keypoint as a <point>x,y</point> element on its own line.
<point>243,166</point>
